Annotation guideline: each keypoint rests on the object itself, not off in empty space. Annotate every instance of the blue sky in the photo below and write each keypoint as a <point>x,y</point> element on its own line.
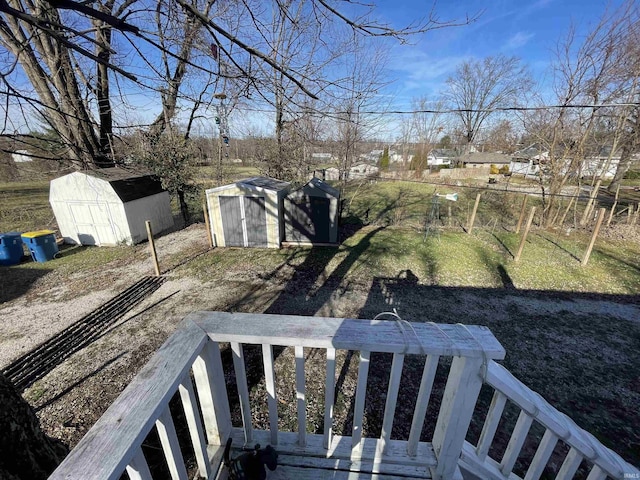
<point>529,29</point>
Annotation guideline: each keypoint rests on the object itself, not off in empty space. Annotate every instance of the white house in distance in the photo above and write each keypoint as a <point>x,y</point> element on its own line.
<point>527,161</point>
<point>21,156</point>
<point>109,206</point>
<point>441,156</point>
<point>363,170</point>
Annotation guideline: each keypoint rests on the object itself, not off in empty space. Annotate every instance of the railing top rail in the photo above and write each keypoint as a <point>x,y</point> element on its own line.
<point>352,334</point>
<point>559,423</point>
<point>106,449</point>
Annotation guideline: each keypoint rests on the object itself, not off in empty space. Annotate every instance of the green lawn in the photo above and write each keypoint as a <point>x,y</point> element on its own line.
<point>25,206</point>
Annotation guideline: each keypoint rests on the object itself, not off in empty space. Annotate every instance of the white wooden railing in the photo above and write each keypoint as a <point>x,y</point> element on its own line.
<point>113,445</point>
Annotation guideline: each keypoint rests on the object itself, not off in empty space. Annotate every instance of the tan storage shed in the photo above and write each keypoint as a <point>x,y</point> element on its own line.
<point>248,213</point>
<point>109,206</point>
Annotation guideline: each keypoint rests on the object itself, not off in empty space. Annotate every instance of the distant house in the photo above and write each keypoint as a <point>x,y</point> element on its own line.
<point>527,161</point>
<point>321,157</point>
<point>484,159</point>
<point>441,156</point>
<point>331,173</point>
<point>596,165</point>
<point>373,156</point>
<point>395,157</point>
<point>363,170</point>
<point>21,156</point>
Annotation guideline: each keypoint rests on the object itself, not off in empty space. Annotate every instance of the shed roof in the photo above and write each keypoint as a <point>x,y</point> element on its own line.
<point>265,182</point>
<point>129,184</point>
<point>322,186</point>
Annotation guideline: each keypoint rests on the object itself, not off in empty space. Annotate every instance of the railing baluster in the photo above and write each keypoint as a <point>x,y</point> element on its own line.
<point>542,456</point>
<point>170,446</point>
<point>597,473</point>
<point>330,390</point>
<point>516,442</point>
<point>570,465</point>
<point>358,409</point>
<point>212,393</point>
<point>243,390</point>
<point>426,385</point>
<point>490,426</point>
<point>392,397</point>
<point>138,469</point>
<point>270,383</point>
<point>188,396</point>
<point>458,402</point>
<point>301,397</point>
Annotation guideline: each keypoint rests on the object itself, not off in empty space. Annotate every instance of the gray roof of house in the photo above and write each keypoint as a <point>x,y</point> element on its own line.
<point>444,152</point>
<point>485,157</point>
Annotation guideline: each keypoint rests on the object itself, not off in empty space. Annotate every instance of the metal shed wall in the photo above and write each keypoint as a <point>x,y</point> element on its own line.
<point>273,205</point>
<point>306,215</point>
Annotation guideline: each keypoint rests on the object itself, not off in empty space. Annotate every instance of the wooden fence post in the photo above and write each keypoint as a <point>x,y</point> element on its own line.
<point>152,247</point>
<point>593,236</point>
<point>522,210</point>
<point>473,214</point>
<point>524,235</point>
<point>206,224</point>
<point>629,213</point>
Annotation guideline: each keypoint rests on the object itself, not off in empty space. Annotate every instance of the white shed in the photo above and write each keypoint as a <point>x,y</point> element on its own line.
<point>248,213</point>
<point>109,206</point>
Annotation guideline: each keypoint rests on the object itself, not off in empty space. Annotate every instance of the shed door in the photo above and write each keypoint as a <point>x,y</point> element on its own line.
<point>310,220</point>
<point>255,221</point>
<point>232,223</point>
<point>244,221</point>
<point>92,223</point>
<point>320,219</point>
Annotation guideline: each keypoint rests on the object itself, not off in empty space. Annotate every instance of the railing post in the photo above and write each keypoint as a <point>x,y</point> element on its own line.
<point>458,402</point>
<point>212,393</point>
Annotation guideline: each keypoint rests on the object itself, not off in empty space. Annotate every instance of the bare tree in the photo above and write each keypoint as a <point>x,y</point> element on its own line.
<point>428,127</point>
<point>354,99</point>
<point>590,71</point>
<point>478,87</point>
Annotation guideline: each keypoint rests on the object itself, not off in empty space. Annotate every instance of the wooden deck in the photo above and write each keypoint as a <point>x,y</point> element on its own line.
<point>190,363</point>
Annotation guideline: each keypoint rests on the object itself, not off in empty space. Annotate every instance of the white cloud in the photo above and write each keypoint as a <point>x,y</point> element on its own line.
<point>519,39</point>
<point>417,70</point>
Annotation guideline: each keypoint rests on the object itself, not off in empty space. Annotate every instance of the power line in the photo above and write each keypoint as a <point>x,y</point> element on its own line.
<point>450,110</point>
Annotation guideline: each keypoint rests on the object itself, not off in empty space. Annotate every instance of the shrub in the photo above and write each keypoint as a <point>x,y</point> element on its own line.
<point>504,170</point>
<point>493,170</point>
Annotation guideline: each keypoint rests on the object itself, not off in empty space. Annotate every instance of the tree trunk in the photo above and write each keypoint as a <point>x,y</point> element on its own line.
<point>25,451</point>
<point>184,209</point>
<point>623,168</point>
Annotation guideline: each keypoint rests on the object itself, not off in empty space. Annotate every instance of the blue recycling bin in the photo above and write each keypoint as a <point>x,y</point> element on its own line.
<point>10,248</point>
<point>41,244</point>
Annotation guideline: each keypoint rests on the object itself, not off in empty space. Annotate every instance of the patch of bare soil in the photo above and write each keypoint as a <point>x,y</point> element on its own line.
<point>579,351</point>
<point>627,233</point>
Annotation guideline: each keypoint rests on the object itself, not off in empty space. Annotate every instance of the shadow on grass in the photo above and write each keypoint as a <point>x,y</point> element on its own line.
<point>17,281</point>
<point>557,244</point>
<point>79,382</point>
<point>546,335</point>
